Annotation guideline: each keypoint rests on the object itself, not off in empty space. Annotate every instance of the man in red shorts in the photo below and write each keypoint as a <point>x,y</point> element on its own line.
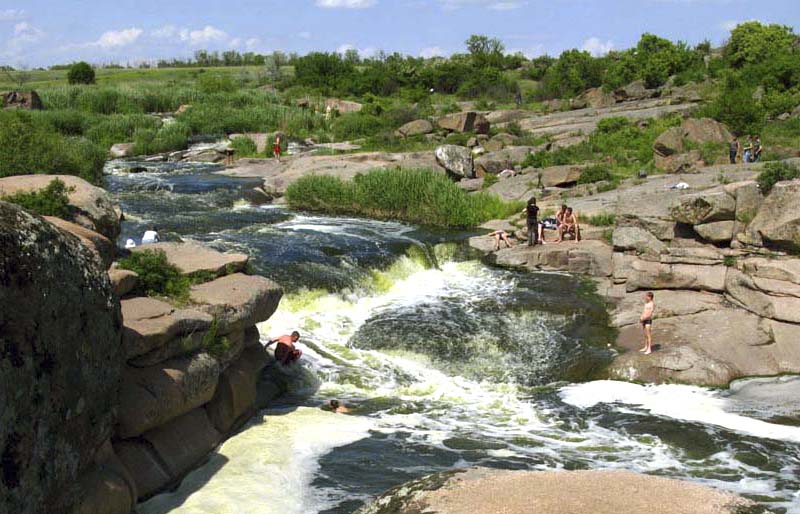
<point>285,351</point>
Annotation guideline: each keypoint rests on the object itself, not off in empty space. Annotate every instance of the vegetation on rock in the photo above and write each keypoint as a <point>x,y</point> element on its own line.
<point>50,201</point>
<point>414,195</point>
<point>157,276</point>
<point>775,172</point>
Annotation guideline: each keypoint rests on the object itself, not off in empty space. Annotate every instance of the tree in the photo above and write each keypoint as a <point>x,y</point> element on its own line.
<point>735,107</point>
<point>20,77</point>
<point>486,51</point>
<point>574,72</point>
<point>751,43</point>
<point>80,73</point>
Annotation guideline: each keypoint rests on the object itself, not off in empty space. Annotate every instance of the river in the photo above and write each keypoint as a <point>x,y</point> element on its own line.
<point>444,362</point>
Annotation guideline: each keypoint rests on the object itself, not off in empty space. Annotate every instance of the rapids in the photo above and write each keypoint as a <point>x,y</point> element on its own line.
<point>445,363</point>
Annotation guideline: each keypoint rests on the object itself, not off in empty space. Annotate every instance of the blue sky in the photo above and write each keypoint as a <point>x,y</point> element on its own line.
<point>43,32</point>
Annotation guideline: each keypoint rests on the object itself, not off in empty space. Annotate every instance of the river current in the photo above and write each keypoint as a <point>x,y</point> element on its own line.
<point>444,362</point>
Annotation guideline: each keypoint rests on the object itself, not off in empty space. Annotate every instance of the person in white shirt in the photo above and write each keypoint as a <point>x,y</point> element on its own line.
<point>130,243</point>
<point>150,236</point>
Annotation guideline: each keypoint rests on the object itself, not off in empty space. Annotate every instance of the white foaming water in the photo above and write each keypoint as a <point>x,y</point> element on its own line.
<point>678,402</point>
<point>266,469</point>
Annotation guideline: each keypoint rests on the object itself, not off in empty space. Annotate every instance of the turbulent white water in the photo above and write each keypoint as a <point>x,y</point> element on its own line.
<point>269,467</point>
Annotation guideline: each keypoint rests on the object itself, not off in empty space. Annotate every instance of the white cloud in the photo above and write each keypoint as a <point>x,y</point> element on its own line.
<point>596,47</point>
<point>431,51</point>
<point>345,4</point>
<point>502,5</point>
<point>118,38</point>
<point>729,25</point>
<point>363,52</point>
<point>207,34</point>
<point>304,35</point>
<point>12,15</point>
<point>165,32</point>
<point>24,32</point>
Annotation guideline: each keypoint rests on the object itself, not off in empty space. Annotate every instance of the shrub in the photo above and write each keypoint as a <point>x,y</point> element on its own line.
<point>157,277</point>
<point>613,124</point>
<point>244,147</point>
<point>595,173</point>
<point>50,201</point>
<point>414,195</point>
<point>735,107</point>
<point>775,172</point>
<point>211,83</point>
<point>80,73</point>
<point>604,219</point>
<point>29,144</point>
<point>751,41</point>
<point>174,136</point>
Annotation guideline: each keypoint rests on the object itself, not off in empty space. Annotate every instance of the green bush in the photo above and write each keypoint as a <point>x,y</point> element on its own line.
<point>30,144</point>
<point>50,201</point>
<point>80,73</point>
<point>613,124</point>
<point>174,136</point>
<point>735,107</point>
<point>244,147</point>
<point>414,195</point>
<point>595,173</point>
<point>157,277</point>
<point>751,42</point>
<point>775,172</point>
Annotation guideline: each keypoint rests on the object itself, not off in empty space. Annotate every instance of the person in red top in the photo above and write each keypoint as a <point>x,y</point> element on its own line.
<point>285,351</point>
<point>276,149</point>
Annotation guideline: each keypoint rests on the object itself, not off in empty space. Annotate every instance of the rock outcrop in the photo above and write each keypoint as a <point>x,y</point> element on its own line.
<point>457,160</point>
<point>92,207</point>
<point>670,148</point>
<point>490,491</point>
<point>777,223</point>
<point>465,122</point>
<point>21,100</point>
<point>61,348</point>
<point>415,128</point>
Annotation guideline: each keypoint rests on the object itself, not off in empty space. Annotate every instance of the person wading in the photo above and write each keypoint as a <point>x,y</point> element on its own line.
<point>285,351</point>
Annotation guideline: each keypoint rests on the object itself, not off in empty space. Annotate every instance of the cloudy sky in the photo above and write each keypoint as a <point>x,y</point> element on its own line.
<point>43,32</point>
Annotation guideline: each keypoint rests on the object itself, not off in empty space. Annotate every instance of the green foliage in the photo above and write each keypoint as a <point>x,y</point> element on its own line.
<point>604,219</point>
<point>490,180</point>
<point>751,42</point>
<point>148,141</point>
<point>595,173</point>
<point>213,83</point>
<point>419,196</point>
<point>574,72</point>
<point>30,144</point>
<point>215,345</point>
<point>775,172</point>
<point>613,124</point>
<point>325,71</point>
<point>81,73</point>
<point>729,261</point>
<point>157,277</point>
<point>50,201</point>
<point>244,147</point>
<point>735,107</point>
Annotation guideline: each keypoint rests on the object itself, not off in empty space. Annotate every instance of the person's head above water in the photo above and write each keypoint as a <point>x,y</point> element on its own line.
<point>295,336</point>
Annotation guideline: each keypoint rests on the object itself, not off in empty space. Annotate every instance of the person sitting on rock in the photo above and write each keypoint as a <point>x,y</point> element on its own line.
<point>569,225</point>
<point>150,236</point>
<point>501,235</point>
<point>285,351</point>
<point>336,406</point>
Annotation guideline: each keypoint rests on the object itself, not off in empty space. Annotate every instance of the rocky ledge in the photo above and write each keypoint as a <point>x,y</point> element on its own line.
<point>721,258</point>
<point>110,398</point>
<point>489,491</point>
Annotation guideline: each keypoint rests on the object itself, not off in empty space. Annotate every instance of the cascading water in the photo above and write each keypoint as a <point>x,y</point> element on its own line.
<point>445,363</point>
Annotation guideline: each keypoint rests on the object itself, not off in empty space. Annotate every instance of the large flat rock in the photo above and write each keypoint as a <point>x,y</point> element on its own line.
<point>710,348</point>
<point>669,305</point>
<point>92,207</point>
<point>153,396</point>
<point>485,491</point>
<point>589,257</point>
<point>238,301</point>
<point>151,323</point>
<point>191,258</point>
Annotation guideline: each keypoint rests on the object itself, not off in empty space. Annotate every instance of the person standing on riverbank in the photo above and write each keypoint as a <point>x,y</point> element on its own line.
<point>276,149</point>
<point>532,212</point>
<point>285,351</point>
<point>646,320</point>
<point>734,149</point>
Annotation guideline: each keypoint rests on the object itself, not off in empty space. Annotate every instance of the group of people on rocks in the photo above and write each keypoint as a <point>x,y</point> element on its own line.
<point>750,153</point>
<point>565,223</point>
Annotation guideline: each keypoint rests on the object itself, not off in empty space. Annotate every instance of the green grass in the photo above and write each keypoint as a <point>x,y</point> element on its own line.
<point>157,277</point>
<point>414,195</point>
<point>604,219</point>
<point>50,201</point>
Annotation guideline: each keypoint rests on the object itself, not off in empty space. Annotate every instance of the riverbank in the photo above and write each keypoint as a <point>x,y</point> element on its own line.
<point>727,297</point>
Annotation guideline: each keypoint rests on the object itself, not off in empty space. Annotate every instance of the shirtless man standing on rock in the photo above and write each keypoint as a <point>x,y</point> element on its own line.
<point>646,319</point>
